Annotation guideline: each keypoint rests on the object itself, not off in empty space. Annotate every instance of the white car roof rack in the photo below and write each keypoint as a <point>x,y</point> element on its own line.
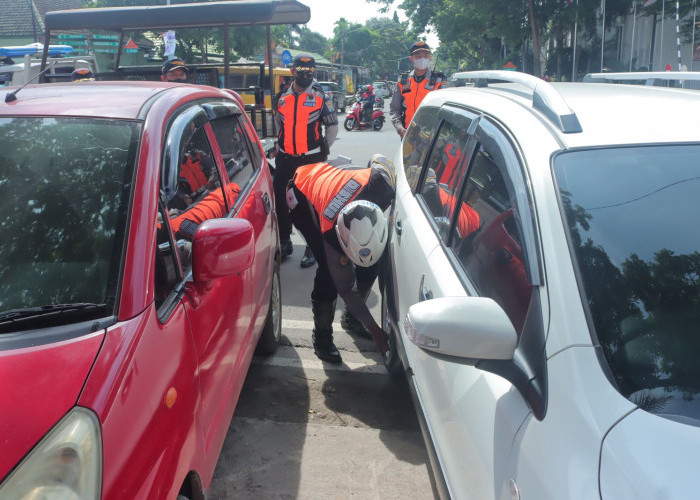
<point>544,96</point>
<point>647,75</point>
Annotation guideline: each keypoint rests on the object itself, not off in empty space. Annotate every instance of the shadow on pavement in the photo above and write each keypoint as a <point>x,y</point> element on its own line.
<point>273,402</point>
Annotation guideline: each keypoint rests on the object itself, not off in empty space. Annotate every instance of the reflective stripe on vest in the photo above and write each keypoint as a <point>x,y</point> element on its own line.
<point>330,188</point>
<point>298,135</point>
<point>416,92</point>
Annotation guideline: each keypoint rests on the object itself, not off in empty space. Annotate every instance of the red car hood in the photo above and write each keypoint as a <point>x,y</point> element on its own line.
<point>38,385</point>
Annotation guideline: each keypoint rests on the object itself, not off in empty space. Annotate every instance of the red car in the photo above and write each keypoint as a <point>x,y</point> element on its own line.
<point>139,271</point>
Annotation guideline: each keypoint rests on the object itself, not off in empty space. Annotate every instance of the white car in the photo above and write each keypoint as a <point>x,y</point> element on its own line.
<point>543,288</point>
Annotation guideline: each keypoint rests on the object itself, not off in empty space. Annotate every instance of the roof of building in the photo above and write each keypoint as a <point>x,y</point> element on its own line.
<point>26,18</point>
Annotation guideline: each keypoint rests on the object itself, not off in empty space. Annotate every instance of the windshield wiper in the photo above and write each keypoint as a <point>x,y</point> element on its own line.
<point>51,309</point>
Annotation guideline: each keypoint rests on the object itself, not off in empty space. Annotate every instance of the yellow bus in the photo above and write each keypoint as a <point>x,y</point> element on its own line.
<point>244,77</point>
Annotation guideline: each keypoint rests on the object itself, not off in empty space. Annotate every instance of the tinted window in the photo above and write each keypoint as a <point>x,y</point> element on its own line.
<point>230,136</point>
<point>446,167</point>
<point>417,142</point>
<point>199,196</point>
<point>630,214</point>
<point>487,241</point>
<point>64,192</point>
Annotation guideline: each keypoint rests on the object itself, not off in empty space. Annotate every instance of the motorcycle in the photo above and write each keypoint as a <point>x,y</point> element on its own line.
<point>353,119</point>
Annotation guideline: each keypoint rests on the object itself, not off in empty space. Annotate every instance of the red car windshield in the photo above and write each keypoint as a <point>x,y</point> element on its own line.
<point>636,245</point>
<point>65,186</point>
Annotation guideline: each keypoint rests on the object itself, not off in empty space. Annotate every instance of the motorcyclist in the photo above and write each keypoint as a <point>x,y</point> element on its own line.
<point>368,100</point>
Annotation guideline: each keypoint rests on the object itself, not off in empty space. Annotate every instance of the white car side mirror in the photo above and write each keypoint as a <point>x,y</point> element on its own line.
<point>464,327</point>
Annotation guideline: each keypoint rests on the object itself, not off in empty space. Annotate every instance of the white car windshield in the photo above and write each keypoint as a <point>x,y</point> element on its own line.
<point>630,219</point>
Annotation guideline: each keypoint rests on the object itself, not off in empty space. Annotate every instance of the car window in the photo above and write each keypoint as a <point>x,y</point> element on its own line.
<point>65,189</point>
<point>230,135</point>
<point>417,142</point>
<point>199,196</point>
<point>490,249</point>
<point>166,267</point>
<point>629,213</point>
<point>445,171</point>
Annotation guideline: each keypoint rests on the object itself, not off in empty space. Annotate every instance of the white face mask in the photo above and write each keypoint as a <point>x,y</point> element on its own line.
<point>421,64</point>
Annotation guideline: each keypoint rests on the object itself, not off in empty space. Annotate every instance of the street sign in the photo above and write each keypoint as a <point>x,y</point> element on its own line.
<point>286,57</point>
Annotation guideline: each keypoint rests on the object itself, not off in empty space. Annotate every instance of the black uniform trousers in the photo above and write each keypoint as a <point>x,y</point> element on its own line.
<point>305,219</point>
<point>285,166</point>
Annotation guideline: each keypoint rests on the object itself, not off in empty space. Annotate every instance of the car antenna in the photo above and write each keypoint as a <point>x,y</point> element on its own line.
<point>12,96</point>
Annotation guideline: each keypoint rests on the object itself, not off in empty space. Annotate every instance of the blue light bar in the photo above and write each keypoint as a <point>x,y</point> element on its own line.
<point>24,50</point>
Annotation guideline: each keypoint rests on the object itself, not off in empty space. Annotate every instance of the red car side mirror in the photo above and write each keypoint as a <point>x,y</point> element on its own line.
<point>222,247</point>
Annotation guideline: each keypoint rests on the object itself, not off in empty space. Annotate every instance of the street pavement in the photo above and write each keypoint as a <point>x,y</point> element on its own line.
<point>308,429</point>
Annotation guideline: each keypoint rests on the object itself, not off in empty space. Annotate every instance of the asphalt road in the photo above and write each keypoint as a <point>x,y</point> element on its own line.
<point>308,429</point>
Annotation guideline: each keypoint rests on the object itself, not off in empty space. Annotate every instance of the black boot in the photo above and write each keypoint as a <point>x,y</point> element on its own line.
<point>350,323</point>
<point>308,259</point>
<point>323,331</point>
<point>286,248</point>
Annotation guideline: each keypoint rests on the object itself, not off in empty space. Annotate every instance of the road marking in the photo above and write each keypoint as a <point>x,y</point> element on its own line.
<point>297,324</point>
<point>289,357</point>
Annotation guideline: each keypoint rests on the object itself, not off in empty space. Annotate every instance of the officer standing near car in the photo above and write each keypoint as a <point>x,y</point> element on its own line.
<point>413,87</point>
<point>174,71</point>
<point>339,209</point>
<point>302,111</point>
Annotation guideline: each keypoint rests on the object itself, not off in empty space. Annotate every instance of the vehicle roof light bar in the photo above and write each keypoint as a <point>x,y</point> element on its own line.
<point>649,76</point>
<point>544,97</point>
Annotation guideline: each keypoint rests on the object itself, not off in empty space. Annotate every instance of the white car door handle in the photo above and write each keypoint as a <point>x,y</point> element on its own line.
<point>424,293</point>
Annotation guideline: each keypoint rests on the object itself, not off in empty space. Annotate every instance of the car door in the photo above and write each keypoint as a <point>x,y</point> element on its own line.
<point>249,196</point>
<point>461,204</point>
<point>219,311</point>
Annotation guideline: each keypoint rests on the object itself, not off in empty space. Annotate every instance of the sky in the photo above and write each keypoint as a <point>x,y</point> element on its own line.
<point>324,14</point>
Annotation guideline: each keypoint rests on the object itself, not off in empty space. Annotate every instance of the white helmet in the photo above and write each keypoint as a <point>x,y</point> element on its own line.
<point>362,232</point>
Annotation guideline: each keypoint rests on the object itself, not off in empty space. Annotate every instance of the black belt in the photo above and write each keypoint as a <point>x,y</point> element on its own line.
<point>308,153</point>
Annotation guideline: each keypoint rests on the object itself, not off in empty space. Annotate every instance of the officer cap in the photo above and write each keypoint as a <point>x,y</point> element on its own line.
<point>304,62</point>
<point>82,75</point>
<point>174,64</point>
<point>419,46</point>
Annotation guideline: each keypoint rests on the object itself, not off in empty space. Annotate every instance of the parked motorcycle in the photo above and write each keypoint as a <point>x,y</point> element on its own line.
<point>353,120</point>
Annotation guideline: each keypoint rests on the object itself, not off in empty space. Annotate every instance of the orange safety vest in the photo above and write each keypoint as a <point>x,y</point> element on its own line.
<point>468,219</point>
<point>191,171</point>
<point>330,188</point>
<point>300,133</point>
<point>450,158</point>
<point>413,93</point>
<point>212,206</point>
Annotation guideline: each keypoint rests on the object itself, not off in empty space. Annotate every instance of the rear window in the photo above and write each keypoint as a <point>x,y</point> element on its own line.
<point>631,215</point>
<point>65,186</point>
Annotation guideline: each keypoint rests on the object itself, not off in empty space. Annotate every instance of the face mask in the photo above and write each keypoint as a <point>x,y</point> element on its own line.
<point>421,64</point>
<point>178,80</point>
<point>303,82</point>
